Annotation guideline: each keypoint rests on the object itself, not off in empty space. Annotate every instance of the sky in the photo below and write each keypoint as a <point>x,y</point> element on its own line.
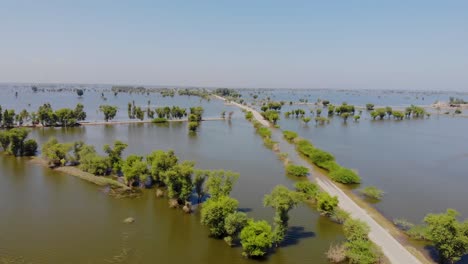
<point>257,44</point>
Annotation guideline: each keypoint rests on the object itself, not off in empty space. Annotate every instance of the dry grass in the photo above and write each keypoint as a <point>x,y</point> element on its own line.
<point>336,253</point>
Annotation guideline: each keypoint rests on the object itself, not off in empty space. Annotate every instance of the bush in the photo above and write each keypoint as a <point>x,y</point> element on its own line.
<point>345,175</point>
<point>289,135</point>
<point>264,132</point>
<point>30,147</point>
<point>372,192</point>
<point>339,216</point>
<point>256,238</point>
<point>355,229</point>
<point>248,115</point>
<point>326,203</point>
<point>362,252</point>
<point>296,170</point>
<point>193,126</point>
<point>310,189</point>
<point>159,120</point>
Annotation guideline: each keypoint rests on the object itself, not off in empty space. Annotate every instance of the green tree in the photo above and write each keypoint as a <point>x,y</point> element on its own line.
<point>214,213</point>
<point>370,107</point>
<point>30,147</point>
<point>256,238</point>
<point>79,113</point>
<point>4,140</point>
<point>449,236</point>
<point>220,183</point>
<point>56,153</point>
<point>109,111</point>
<point>233,224</point>
<point>282,200</point>
<point>17,138</point>
<point>355,229</point>
<point>306,120</point>
<point>159,162</point>
<point>115,154</point>
<point>178,180</point>
<point>134,169</point>
<point>79,92</point>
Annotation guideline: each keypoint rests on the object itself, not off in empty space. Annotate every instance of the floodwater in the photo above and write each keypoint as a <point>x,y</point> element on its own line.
<point>49,217</point>
<point>420,164</point>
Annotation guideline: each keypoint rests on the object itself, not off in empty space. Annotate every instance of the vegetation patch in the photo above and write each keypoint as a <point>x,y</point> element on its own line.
<point>372,192</point>
<point>296,170</point>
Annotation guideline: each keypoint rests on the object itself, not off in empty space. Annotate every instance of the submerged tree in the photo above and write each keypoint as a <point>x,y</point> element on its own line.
<point>109,111</point>
<point>256,238</point>
<point>282,200</point>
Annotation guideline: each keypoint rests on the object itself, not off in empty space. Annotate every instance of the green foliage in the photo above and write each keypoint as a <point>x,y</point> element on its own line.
<point>4,140</point>
<point>370,107</point>
<point>30,147</point>
<point>458,111</point>
<point>159,120</point>
<point>398,115</point>
<point>249,115</point>
<point>296,170</point>
<point>159,162</point>
<point>264,132</point>
<point>282,200</point>
<point>91,162</point>
<point>178,180</point>
<point>289,135</point>
<point>306,119</point>
<point>220,183</point>
<point>198,182</point>
<point>233,224</point>
<point>56,153</point>
<point>309,189</point>
<point>115,154</point>
<point>256,238</point>
<point>362,252</point>
<point>214,213</point>
<point>109,111</point>
<point>372,192</point>
<point>355,229</point>
<point>326,203</point>
<point>321,120</point>
<point>79,92</point>
<point>339,216</point>
<point>345,175</point>
<point>271,115</point>
<point>193,126</point>
<point>449,236</point>
<point>359,249</point>
<point>134,169</point>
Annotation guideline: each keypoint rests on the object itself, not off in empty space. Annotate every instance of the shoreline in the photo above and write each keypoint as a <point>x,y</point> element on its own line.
<point>392,248</point>
<point>76,172</point>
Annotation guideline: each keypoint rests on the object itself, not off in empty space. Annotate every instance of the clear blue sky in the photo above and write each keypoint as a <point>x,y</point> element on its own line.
<point>292,44</point>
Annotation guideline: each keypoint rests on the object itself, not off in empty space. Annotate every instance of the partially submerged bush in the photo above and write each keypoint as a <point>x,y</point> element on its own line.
<point>310,189</point>
<point>339,216</point>
<point>344,175</point>
<point>372,192</point>
<point>289,135</point>
<point>159,120</point>
<point>296,170</point>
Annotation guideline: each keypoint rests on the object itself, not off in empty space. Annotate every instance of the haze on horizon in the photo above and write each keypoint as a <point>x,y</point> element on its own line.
<point>269,44</point>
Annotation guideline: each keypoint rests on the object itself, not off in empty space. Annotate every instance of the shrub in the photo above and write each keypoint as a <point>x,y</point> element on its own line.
<point>326,203</point>
<point>362,252</point>
<point>372,192</point>
<point>193,126</point>
<point>339,216</point>
<point>310,189</point>
<point>355,229</point>
<point>264,132</point>
<point>296,170</point>
<point>344,175</point>
<point>256,238</point>
<point>159,120</point>
<point>289,135</point>
<point>248,115</point>
<point>30,147</point>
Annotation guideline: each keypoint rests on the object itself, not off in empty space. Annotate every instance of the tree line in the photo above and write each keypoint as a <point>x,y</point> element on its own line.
<point>45,115</point>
